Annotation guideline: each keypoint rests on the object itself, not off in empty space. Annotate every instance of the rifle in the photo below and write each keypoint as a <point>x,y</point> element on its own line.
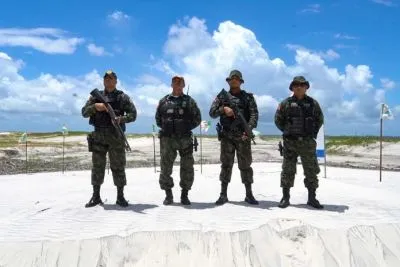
<point>97,95</point>
<point>239,118</point>
<point>195,143</point>
<point>280,148</point>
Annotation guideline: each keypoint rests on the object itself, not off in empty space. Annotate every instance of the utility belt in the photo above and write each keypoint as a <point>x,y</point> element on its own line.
<point>162,133</point>
<point>228,133</point>
<point>105,129</point>
<point>90,137</point>
<point>297,138</point>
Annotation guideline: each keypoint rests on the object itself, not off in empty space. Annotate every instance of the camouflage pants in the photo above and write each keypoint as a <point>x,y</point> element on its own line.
<point>169,148</point>
<point>306,149</point>
<point>244,157</point>
<point>103,142</point>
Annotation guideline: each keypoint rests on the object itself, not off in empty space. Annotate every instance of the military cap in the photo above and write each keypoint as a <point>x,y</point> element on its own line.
<point>176,77</point>
<point>299,80</point>
<point>110,73</point>
<point>235,73</point>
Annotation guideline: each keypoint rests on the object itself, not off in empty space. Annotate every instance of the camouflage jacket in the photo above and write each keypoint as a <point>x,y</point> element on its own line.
<point>282,115</point>
<point>247,104</point>
<point>128,109</point>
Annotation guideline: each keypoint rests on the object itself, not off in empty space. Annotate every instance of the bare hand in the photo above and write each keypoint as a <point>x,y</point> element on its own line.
<point>100,107</point>
<point>118,120</point>
<point>229,112</point>
<point>244,137</point>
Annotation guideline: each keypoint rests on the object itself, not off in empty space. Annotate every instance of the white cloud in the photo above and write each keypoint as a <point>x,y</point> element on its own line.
<point>44,94</point>
<point>313,8</point>
<point>330,54</point>
<point>118,17</point>
<point>47,40</point>
<point>183,39</point>
<point>97,50</point>
<point>387,83</point>
<point>388,3</point>
<point>344,95</point>
<point>345,36</point>
<point>348,97</point>
<point>148,79</point>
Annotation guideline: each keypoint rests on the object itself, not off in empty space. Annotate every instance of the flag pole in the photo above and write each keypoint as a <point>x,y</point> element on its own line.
<point>108,165</point>
<point>201,151</point>
<point>380,147</point>
<point>154,150</point>
<point>63,153</point>
<point>324,151</point>
<point>26,153</point>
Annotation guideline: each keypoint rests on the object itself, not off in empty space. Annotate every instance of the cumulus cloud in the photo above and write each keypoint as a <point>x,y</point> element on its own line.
<point>329,54</point>
<point>47,40</point>
<point>387,83</point>
<point>51,94</point>
<point>97,50</point>
<point>348,96</point>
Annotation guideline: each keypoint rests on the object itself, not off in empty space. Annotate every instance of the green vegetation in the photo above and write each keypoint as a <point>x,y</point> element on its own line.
<point>334,141</point>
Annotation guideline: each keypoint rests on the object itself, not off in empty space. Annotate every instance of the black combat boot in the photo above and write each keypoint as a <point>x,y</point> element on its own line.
<point>121,201</point>
<point>285,199</point>
<point>312,201</point>
<point>169,199</point>
<point>95,200</point>
<point>184,197</point>
<point>249,195</point>
<point>223,197</point>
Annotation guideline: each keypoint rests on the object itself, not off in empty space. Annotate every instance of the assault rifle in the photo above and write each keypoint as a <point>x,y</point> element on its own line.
<point>280,148</point>
<point>195,144</point>
<point>97,95</point>
<point>239,118</point>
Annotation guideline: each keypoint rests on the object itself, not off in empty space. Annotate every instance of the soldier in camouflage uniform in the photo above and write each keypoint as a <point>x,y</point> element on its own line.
<point>233,137</point>
<point>299,117</point>
<point>177,115</point>
<point>104,139</point>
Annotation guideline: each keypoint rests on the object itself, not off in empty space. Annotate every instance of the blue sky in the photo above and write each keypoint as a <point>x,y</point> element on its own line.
<point>53,54</point>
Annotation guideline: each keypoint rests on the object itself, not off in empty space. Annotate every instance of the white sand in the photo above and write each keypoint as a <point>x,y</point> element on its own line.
<point>43,221</point>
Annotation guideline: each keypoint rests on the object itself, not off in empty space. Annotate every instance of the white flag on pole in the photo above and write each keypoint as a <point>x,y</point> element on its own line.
<point>23,138</point>
<point>64,130</point>
<point>386,113</point>
<point>321,144</point>
<point>205,125</point>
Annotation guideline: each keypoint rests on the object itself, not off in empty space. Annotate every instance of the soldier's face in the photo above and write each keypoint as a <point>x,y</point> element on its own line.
<point>299,90</point>
<point>234,82</point>
<point>109,83</point>
<point>178,85</point>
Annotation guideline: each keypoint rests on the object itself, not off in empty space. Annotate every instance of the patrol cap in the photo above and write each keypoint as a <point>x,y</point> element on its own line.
<point>235,73</point>
<point>111,74</point>
<point>299,80</point>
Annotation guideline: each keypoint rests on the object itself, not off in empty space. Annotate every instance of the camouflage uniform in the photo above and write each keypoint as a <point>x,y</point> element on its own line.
<point>177,117</point>
<point>299,120</point>
<point>105,139</point>
<point>231,137</point>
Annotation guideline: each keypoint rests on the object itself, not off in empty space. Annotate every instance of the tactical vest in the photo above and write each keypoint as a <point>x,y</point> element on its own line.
<point>103,119</point>
<point>242,102</point>
<point>300,118</point>
<point>175,116</point>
